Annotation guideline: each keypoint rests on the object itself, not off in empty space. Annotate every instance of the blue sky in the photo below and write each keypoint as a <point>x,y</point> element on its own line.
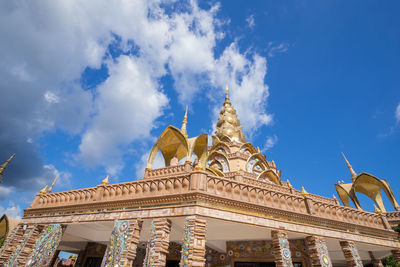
<point>88,87</point>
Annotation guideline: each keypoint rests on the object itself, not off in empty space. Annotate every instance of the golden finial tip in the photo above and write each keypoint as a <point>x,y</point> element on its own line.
<point>44,190</point>
<point>227,90</point>
<point>105,181</point>
<point>334,197</point>
<point>377,210</point>
<point>304,192</point>
<point>289,184</point>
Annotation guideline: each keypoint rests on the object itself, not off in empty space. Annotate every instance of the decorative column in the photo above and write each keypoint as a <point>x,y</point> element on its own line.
<point>396,255</point>
<point>351,254</point>
<point>317,251</point>
<point>46,246</point>
<point>157,247</point>
<point>20,245</point>
<point>194,242</point>
<point>281,249</point>
<point>124,240</point>
<point>374,261</point>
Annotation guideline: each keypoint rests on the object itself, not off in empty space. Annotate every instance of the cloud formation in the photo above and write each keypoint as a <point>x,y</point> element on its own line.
<point>48,45</point>
<point>270,142</point>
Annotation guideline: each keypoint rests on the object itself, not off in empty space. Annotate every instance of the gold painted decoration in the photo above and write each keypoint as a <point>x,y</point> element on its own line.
<point>4,166</point>
<point>228,124</point>
<point>3,229</point>
<point>51,187</point>
<point>303,192</point>
<point>105,180</point>
<point>44,190</point>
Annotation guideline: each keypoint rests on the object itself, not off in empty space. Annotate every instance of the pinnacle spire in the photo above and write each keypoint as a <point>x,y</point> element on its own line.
<point>228,123</point>
<point>3,167</point>
<point>352,172</point>
<point>184,123</point>
<point>51,186</point>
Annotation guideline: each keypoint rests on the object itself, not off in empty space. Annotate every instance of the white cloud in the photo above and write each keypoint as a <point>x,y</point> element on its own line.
<point>275,48</point>
<point>397,113</point>
<point>250,21</point>
<point>48,54</point>
<point>4,192</point>
<point>13,211</point>
<point>270,142</point>
<point>127,105</point>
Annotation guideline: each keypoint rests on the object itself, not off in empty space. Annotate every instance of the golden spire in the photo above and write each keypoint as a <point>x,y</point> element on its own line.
<point>105,181</point>
<point>228,123</point>
<point>184,123</point>
<point>44,190</point>
<point>3,167</point>
<point>352,172</point>
<point>289,184</point>
<point>334,197</point>
<point>51,187</point>
<point>377,210</point>
<point>304,192</point>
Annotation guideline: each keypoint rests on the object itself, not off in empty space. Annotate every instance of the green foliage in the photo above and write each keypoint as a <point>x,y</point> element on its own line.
<point>389,261</point>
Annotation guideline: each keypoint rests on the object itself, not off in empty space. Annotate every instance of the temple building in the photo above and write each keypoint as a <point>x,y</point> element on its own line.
<point>213,204</point>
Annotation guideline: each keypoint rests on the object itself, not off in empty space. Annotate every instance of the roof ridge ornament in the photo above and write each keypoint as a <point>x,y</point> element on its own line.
<point>44,190</point>
<point>352,172</point>
<point>4,166</point>
<point>105,180</point>
<point>51,187</point>
<point>184,123</point>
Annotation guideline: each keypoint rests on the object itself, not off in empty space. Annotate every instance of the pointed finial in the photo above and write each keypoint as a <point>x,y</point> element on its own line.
<point>352,172</point>
<point>289,184</point>
<point>105,181</point>
<point>303,192</point>
<point>377,210</point>
<point>44,190</point>
<point>184,123</point>
<point>51,186</point>
<point>334,197</point>
<point>3,167</point>
<point>227,91</point>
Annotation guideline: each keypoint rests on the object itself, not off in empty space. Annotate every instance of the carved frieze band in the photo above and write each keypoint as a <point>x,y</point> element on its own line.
<point>280,244</point>
<point>194,242</point>
<point>318,251</point>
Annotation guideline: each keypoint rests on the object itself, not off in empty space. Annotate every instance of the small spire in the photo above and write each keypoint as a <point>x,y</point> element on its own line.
<point>334,197</point>
<point>184,123</point>
<point>303,192</point>
<point>352,172</point>
<point>105,181</point>
<point>3,167</point>
<point>51,186</point>
<point>227,91</point>
<point>289,184</point>
<point>44,190</point>
<point>377,210</point>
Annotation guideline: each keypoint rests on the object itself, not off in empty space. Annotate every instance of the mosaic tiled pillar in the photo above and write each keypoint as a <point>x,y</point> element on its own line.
<point>157,247</point>
<point>194,242</point>
<point>124,240</point>
<point>281,249</point>
<point>396,255</point>
<point>46,246</point>
<point>20,245</point>
<point>317,251</point>
<point>351,254</point>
